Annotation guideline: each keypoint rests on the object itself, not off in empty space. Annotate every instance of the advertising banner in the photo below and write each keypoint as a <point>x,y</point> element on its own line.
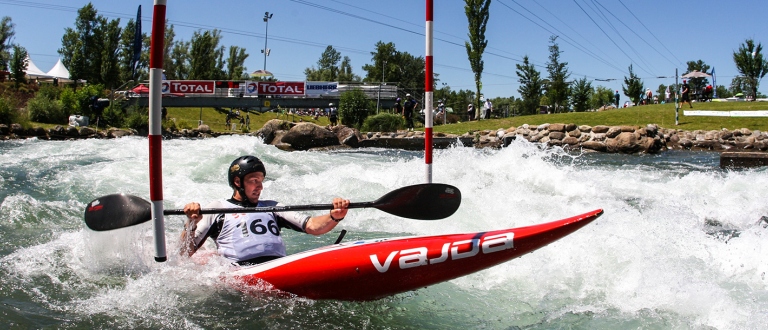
<point>322,88</point>
<point>294,88</point>
<point>251,88</point>
<point>188,86</point>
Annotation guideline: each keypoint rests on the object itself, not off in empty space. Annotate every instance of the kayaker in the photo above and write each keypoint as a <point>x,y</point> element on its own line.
<point>251,238</point>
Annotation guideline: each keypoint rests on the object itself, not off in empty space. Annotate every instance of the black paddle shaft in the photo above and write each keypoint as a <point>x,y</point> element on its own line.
<point>309,207</point>
<point>429,201</point>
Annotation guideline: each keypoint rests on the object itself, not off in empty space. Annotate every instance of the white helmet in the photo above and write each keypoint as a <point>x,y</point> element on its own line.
<point>330,104</point>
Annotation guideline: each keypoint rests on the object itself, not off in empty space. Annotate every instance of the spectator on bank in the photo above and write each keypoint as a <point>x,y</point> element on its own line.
<point>686,95</point>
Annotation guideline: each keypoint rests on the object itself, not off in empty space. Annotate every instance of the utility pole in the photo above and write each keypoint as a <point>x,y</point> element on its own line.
<point>378,99</point>
<point>267,17</point>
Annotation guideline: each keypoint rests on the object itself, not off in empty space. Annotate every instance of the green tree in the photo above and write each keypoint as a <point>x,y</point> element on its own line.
<point>558,88</point>
<point>723,92</point>
<point>660,91</point>
<point>125,56</point>
<point>205,57</point>
<point>19,65</point>
<point>327,66</point>
<point>168,44</point>
<point>601,96</point>
<point>345,71</point>
<point>385,64</point>
<point>697,84</point>
<point>530,86</point>
<point>236,63</point>
<point>401,67</point>
<point>6,35</point>
<point>477,12</point>
<point>354,108</point>
<point>180,61</point>
<point>633,86</point>
<point>110,53</point>
<point>582,92</point>
<point>751,64</point>
<point>86,47</point>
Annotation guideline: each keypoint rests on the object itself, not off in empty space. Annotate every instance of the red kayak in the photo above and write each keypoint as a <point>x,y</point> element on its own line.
<point>373,269</point>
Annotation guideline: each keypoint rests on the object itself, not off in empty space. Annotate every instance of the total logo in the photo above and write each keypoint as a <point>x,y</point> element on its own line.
<point>166,87</point>
<point>251,87</point>
<point>416,257</point>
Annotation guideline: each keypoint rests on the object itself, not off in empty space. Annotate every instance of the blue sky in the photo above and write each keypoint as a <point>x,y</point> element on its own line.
<point>599,38</point>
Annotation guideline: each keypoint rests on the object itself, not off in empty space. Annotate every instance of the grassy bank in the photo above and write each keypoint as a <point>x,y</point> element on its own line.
<point>216,119</point>
<point>660,114</point>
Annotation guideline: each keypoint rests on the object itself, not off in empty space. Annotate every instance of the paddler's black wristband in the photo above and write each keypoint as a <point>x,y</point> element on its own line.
<point>334,219</point>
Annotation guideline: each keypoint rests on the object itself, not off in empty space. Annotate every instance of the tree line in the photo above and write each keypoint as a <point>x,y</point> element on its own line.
<point>99,51</point>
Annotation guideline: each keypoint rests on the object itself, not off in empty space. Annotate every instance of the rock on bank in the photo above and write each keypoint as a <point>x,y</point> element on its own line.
<point>287,135</point>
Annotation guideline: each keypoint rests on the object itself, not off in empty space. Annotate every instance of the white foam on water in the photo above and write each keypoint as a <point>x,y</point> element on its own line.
<point>674,247</point>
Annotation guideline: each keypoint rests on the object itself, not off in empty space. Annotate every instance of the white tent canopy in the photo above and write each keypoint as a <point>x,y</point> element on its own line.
<point>59,71</point>
<point>33,71</point>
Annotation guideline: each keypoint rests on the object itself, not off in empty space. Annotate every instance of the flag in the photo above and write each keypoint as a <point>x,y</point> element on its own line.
<point>714,83</point>
<point>137,43</point>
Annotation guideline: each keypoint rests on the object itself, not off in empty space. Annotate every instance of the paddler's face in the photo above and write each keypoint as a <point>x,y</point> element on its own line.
<point>253,183</point>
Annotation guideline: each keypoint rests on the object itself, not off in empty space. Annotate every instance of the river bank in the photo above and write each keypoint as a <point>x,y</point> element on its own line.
<point>290,136</point>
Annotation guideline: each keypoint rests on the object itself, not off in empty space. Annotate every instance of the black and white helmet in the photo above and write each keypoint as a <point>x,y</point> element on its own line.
<point>241,167</point>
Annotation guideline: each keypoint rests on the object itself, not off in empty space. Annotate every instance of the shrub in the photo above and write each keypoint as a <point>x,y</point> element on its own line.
<point>7,112</point>
<point>383,122</point>
<point>50,92</point>
<point>184,124</point>
<point>113,116</point>
<point>80,101</point>
<point>138,120</point>
<point>41,109</point>
<point>354,107</point>
<point>68,101</point>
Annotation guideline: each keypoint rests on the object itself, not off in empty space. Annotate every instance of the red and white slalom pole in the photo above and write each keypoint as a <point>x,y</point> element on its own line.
<point>155,127</point>
<point>428,94</point>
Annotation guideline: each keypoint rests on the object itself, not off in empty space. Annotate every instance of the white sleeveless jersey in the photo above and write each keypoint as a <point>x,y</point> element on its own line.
<point>244,236</point>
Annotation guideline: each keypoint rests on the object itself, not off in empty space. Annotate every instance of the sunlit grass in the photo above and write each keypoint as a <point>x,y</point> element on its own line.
<point>660,114</point>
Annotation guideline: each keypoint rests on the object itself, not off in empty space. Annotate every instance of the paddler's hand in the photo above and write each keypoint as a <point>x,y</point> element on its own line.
<point>340,208</point>
<point>192,210</point>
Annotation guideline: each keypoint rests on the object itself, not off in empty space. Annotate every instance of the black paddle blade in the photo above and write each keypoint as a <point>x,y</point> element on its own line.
<point>116,211</point>
<point>428,201</point>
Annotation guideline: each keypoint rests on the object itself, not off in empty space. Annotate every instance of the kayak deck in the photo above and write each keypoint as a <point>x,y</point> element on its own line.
<point>373,269</point>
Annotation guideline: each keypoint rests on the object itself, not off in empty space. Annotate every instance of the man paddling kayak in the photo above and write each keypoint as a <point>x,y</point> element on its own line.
<point>251,238</point>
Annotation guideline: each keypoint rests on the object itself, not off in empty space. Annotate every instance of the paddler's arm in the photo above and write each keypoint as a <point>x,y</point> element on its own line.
<point>322,224</point>
<point>188,246</point>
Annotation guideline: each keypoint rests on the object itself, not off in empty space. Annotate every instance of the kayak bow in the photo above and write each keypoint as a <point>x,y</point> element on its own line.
<point>373,269</point>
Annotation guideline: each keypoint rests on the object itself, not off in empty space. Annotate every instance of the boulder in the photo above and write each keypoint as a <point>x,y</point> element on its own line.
<point>570,140</point>
<point>600,129</point>
<point>625,142</point>
<point>348,136</point>
<point>85,131</point>
<point>305,136</point>
<point>57,130</point>
<point>114,133</point>
<point>557,128</point>
<point>37,131</point>
<point>594,145</point>
<point>613,132</point>
<point>556,135</point>
<point>17,129</point>
<point>270,128</point>
<point>72,131</point>
<point>4,129</point>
